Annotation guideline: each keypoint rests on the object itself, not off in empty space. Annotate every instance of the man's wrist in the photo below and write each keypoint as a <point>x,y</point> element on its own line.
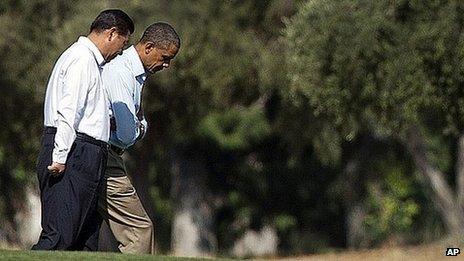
<point>59,158</point>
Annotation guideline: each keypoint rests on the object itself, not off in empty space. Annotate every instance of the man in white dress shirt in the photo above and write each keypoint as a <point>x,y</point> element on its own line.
<point>74,149</point>
<point>123,79</point>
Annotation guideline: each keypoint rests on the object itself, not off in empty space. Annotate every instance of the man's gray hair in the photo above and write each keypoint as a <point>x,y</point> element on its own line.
<point>161,34</point>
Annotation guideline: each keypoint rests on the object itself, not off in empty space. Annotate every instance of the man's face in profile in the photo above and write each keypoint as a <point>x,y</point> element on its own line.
<point>116,43</point>
<point>160,58</point>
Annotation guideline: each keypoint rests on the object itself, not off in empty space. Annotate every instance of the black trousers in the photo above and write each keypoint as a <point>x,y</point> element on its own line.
<point>69,201</point>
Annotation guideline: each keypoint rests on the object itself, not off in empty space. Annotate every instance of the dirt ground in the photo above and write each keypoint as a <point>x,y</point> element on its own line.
<point>424,252</point>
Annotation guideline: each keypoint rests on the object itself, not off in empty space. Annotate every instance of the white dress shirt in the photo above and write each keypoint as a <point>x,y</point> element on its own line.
<point>75,100</point>
<point>123,79</point>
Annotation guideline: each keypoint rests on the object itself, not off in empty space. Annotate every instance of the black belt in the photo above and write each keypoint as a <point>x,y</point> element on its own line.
<point>117,149</point>
<point>86,138</point>
<point>79,136</point>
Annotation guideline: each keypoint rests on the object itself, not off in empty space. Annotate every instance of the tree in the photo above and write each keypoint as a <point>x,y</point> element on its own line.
<point>392,68</point>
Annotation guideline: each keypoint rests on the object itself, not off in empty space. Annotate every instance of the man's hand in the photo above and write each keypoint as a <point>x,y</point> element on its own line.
<point>56,168</point>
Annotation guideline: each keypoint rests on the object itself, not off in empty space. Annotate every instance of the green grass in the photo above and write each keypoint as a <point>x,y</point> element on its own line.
<point>18,255</point>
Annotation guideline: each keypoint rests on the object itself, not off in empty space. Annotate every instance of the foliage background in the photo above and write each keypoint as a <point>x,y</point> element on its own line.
<point>296,112</point>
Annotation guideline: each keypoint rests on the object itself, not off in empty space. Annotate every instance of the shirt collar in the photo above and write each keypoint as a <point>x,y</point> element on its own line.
<point>93,48</point>
<point>136,62</point>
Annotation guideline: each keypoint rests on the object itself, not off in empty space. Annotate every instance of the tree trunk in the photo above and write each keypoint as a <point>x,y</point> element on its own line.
<point>441,192</point>
<point>257,243</point>
<point>28,218</point>
<point>13,201</point>
<point>21,227</point>
<point>192,231</point>
<point>460,173</point>
<point>355,232</point>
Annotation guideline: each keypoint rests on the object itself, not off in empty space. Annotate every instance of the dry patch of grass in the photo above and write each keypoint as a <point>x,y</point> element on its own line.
<point>430,252</point>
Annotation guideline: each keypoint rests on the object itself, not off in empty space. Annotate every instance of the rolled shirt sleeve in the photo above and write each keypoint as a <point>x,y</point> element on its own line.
<point>120,94</point>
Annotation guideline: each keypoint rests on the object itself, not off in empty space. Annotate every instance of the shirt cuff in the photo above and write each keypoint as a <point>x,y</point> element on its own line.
<point>59,157</point>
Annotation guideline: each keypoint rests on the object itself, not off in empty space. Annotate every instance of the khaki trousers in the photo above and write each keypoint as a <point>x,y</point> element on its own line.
<point>121,208</point>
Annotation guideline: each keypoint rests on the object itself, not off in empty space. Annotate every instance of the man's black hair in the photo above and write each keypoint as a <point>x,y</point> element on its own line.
<point>162,35</point>
<point>113,18</point>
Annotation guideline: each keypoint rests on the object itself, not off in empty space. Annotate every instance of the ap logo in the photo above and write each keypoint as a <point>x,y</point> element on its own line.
<point>452,251</point>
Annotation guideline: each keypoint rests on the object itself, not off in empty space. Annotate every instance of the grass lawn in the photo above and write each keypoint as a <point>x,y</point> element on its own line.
<point>19,255</point>
<point>432,252</point>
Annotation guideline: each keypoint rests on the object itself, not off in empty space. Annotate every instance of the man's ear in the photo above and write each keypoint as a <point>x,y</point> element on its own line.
<point>149,47</point>
<point>112,33</point>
